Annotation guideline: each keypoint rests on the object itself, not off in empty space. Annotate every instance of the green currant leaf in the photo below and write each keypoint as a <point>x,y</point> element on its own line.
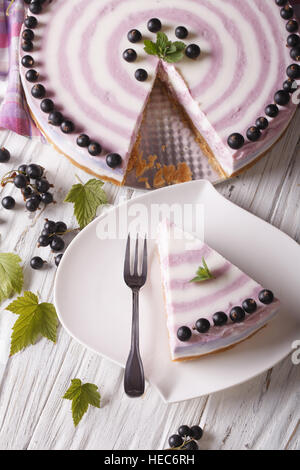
<point>86,199</point>
<point>82,395</point>
<point>11,275</point>
<point>35,319</point>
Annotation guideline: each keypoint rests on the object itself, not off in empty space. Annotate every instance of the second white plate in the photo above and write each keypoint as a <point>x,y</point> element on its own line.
<point>94,304</point>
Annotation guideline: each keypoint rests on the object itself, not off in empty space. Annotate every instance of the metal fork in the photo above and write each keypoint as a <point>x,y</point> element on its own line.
<point>134,380</point>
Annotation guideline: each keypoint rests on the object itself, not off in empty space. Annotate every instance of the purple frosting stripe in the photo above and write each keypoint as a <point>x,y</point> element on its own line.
<point>182,284</point>
<point>206,300</point>
<point>65,72</point>
<point>190,256</point>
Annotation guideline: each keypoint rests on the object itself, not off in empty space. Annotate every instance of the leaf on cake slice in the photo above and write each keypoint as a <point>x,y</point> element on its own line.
<point>82,395</point>
<point>11,275</point>
<point>150,47</point>
<point>35,320</point>
<point>203,273</point>
<point>86,199</point>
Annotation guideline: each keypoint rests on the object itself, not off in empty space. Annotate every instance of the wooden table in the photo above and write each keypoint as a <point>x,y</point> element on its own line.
<point>263,413</point>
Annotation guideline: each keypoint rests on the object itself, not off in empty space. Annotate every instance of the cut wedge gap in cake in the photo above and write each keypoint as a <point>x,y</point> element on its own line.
<point>166,123</point>
<point>213,311</point>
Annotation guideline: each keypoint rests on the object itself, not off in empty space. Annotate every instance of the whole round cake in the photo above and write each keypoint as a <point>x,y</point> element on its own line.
<point>88,68</point>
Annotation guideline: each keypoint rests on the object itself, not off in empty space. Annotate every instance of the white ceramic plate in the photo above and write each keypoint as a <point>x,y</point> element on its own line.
<point>94,305</point>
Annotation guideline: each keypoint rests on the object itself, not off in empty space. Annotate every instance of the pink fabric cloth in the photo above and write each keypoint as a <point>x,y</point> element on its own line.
<point>14,114</point>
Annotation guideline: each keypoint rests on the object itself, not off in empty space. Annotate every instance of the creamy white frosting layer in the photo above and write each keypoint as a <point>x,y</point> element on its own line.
<point>186,302</point>
<point>78,52</point>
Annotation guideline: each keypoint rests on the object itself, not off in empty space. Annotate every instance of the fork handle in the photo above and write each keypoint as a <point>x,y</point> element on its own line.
<point>134,380</point>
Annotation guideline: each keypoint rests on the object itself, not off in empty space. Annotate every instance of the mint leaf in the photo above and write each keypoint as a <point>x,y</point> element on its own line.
<point>11,275</point>
<point>86,199</point>
<point>150,47</point>
<point>203,273</point>
<point>35,319</point>
<point>175,57</point>
<point>82,395</point>
<point>165,49</point>
<point>180,46</point>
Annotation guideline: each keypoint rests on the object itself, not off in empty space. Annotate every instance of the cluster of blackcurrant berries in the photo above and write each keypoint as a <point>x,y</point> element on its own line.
<point>51,235</point>
<point>237,315</point>
<point>281,97</point>
<point>154,26</point>
<point>186,438</point>
<point>33,184</point>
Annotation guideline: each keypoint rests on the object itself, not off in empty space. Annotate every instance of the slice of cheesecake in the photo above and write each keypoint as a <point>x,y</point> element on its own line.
<point>210,304</point>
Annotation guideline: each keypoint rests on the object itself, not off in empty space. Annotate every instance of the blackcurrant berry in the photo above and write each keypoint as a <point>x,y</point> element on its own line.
<point>129,55</point>
<point>4,155</point>
<point>50,226</point>
<point>272,110</point>
<point>237,315</point>
<point>253,133</point>
<point>8,202</point>
<point>290,85</point>
<point>30,22</point>
<point>113,160</point>
<point>295,53</point>
<point>83,140</point>
<point>67,127</point>
<point>22,168</point>
<point>60,227</point>
<point>27,61</point>
<point>141,75</point>
<point>134,36</point>
<point>184,333</point>
<point>181,32</point>
<point>47,105</point>
<point>292,26</point>
<point>220,318</point>
<point>38,91</point>
<point>293,40</point>
<point>281,3</point>
<point>249,305</point>
<point>287,12</point>
<point>42,185</point>
<point>94,149</point>
<point>262,123</point>
<point>236,141</point>
<point>47,198</point>
<point>193,51</point>
<point>191,445</point>
<point>202,325</point>
<point>35,7</point>
<point>32,204</point>
<point>293,71</point>
<point>266,297</point>
<point>184,431</point>
<point>55,118</point>
<point>58,258</point>
<point>57,243</point>
<point>27,46</point>
<point>31,75</point>
<point>282,97</point>
<point>37,263</point>
<point>175,440</point>
<point>196,432</point>
<point>20,181</point>
<point>44,240</point>
<point>27,192</point>
<point>28,35</point>
<point>34,171</point>
<point>154,25</point>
